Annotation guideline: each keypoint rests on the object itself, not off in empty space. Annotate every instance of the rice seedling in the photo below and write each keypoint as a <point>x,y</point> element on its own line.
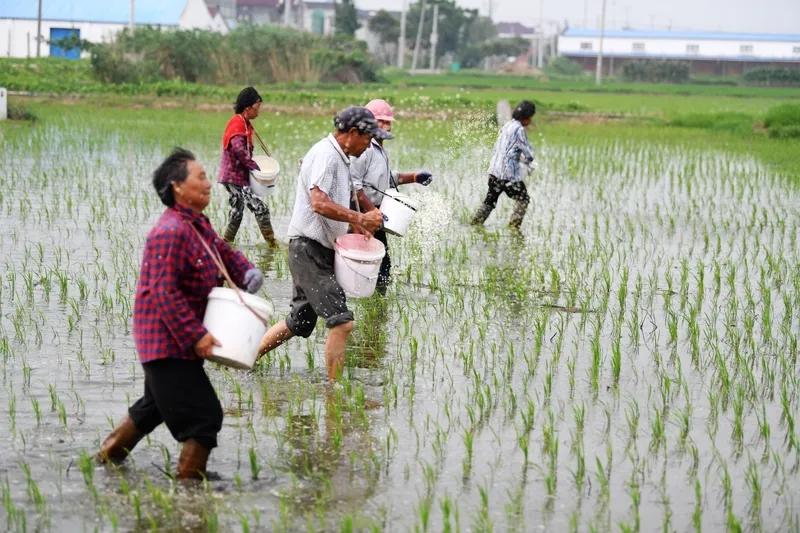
<point>647,319</point>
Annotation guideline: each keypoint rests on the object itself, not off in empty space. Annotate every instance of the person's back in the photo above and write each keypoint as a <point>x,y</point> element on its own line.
<point>511,151</point>
<point>511,148</point>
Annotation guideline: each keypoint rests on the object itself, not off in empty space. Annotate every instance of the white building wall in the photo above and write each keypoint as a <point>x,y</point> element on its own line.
<point>18,36</point>
<point>308,24</point>
<point>688,48</point>
<point>196,16</point>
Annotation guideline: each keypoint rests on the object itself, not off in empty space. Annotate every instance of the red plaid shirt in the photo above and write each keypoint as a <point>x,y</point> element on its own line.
<point>237,162</point>
<point>176,277</point>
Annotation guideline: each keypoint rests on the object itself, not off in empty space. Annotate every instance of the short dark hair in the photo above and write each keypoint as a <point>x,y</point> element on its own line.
<point>525,109</point>
<point>247,97</point>
<point>172,170</point>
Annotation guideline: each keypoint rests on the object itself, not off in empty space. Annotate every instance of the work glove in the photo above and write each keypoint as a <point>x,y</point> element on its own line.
<point>253,279</point>
<point>423,178</point>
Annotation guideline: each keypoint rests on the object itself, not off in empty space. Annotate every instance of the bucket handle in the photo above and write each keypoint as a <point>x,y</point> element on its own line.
<point>215,257</point>
<point>356,272</point>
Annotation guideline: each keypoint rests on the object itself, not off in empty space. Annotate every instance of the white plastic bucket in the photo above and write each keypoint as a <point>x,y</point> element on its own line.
<point>397,210</point>
<point>357,264</point>
<point>235,326</point>
<point>262,182</point>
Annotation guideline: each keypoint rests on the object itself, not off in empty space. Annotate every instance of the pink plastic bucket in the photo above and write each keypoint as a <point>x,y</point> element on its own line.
<point>357,263</point>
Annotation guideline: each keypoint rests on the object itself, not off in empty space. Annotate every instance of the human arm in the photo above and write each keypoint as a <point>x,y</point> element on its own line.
<point>241,152</point>
<point>423,177</point>
<point>523,147</point>
<point>364,203</point>
<point>322,204</point>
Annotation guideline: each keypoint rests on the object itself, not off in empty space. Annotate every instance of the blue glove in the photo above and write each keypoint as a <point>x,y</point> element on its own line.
<point>253,280</point>
<point>424,178</point>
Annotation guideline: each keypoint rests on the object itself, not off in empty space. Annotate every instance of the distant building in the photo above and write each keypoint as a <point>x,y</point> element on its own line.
<point>712,53</point>
<point>509,30</point>
<point>259,11</point>
<point>94,21</point>
<point>314,17</point>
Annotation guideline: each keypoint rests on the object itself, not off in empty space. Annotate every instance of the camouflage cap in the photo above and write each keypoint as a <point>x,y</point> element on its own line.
<point>361,119</point>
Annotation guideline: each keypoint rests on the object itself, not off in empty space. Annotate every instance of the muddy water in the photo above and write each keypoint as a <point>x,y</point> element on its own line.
<point>484,347</point>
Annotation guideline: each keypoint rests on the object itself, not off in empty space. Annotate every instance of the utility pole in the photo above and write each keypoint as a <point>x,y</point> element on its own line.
<point>419,36</point>
<point>39,31</point>
<point>540,40</point>
<point>598,74</point>
<point>287,12</point>
<point>401,41</point>
<point>133,15</point>
<point>434,36</point>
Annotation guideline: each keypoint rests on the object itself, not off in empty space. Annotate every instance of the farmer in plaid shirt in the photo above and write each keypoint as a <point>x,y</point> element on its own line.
<point>236,164</point>
<point>176,278</point>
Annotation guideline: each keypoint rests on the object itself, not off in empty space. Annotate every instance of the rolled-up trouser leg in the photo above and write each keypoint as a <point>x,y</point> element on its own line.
<point>236,201</point>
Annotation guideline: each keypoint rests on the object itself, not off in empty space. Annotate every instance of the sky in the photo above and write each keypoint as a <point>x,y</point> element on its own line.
<point>760,16</point>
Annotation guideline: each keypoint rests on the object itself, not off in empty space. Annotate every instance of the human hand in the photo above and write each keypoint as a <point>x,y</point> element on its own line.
<point>253,279</point>
<point>423,178</point>
<point>360,230</point>
<point>371,221</point>
<point>204,346</point>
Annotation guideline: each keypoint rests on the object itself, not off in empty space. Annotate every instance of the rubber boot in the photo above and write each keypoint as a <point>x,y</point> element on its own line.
<point>231,230</point>
<point>119,442</point>
<point>192,461</point>
<point>268,233</point>
<point>518,214</point>
<point>481,215</point>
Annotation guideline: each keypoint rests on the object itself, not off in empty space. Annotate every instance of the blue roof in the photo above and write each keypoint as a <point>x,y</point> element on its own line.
<point>685,35</point>
<point>161,12</point>
<point>682,57</point>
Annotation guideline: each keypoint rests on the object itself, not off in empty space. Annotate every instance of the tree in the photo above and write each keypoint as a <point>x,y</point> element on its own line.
<point>454,23</point>
<point>345,18</point>
<point>385,26</point>
<point>480,30</point>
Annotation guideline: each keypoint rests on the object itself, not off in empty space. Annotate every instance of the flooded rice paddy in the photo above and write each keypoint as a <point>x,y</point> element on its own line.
<point>629,362</point>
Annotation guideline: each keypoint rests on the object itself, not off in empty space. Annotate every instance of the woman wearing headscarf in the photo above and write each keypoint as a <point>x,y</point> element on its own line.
<point>176,277</point>
<point>236,164</point>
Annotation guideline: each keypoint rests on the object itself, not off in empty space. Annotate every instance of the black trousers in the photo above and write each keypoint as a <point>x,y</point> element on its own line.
<point>386,264</point>
<point>515,190</point>
<point>178,393</point>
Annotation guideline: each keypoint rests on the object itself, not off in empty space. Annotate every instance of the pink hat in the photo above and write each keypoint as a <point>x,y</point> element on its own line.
<point>381,109</point>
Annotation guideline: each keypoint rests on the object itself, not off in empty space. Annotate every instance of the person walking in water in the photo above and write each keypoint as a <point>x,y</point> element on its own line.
<point>176,278</point>
<point>512,154</point>
<point>372,175</point>
<point>236,164</point>
<point>320,215</point>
